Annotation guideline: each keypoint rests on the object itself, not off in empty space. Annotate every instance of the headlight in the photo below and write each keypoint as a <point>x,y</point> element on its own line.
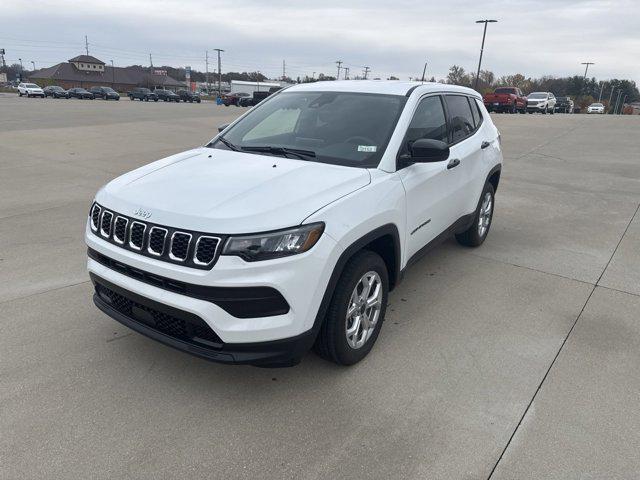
<point>264,246</point>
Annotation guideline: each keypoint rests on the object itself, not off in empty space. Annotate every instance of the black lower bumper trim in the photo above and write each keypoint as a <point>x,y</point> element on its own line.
<point>275,353</point>
<point>241,302</point>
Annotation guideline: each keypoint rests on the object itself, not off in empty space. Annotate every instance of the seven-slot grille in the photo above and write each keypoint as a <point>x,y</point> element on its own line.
<point>192,249</point>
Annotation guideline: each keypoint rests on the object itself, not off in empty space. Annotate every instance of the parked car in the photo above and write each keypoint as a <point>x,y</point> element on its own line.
<point>595,108</point>
<point>30,90</point>
<point>166,95</point>
<point>254,99</point>
<point>142,94</point>
<point>543,102</point>
<point>106,93</point>
<point>233,98</point>
<point>187,96</point>
<point>564,105</point>
<point>506,99</point>
<point>80,93</point>
<point>290,228</point>
<point>55,92</point>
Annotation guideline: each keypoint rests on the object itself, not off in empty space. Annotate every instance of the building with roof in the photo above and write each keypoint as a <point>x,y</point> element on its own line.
<point>86,71</point>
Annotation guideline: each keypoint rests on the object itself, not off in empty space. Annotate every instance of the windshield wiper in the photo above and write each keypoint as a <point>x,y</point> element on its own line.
<point>301,154</point>
<point>227,143</point>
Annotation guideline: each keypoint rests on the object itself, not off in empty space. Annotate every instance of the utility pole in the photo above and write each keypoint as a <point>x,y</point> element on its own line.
<point>601,90</point>
<point>338,62</point>
<point>611,98</point>
<point>219,50</point>
<point>366,72</point>
<point>206,62</point>
<point>424,71</point>
<point>346,73</point>
<point>86,44</point>
<point>113,75</point>
<point>622,105</point>
<point>34,65</point>
<point>586,68</point>
<point>2,57</point>
<point>150,61</point>
<point>284,70</point>
<point>615,109</point>
<point>484,34</point>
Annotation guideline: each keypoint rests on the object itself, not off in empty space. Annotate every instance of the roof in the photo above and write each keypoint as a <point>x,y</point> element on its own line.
<point>256,84</point>
<point>389,87</point>
<point>86,59</point>
<point>135,75</point>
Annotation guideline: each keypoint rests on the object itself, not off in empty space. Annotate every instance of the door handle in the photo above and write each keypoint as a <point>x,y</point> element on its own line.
<point>453,163</point>
<point>485,144</point>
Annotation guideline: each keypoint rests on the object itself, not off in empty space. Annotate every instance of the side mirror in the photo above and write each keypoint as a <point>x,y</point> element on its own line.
<point>425,150</point>
<point>222,127</point>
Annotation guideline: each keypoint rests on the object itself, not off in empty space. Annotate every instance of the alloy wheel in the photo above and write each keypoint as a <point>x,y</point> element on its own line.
<point>484,218</point>
<point>363,311</point>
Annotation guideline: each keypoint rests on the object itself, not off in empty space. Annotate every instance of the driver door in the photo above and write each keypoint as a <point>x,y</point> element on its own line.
<point>429,187</point>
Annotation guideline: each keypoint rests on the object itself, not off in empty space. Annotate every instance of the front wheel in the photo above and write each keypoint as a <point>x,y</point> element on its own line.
<point>356,312</point>
<point>475,235</point>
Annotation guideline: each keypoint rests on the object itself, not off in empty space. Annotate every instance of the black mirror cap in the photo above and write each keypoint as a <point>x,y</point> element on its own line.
<point>426,150</point>
<point>222,127</point>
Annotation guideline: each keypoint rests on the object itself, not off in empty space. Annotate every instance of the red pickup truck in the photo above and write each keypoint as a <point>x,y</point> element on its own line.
<point>506,99</point>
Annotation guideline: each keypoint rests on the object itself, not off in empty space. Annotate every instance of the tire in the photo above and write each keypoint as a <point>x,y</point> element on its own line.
<point>513,108</point>
<point>474,236</point>
<point>333,343</point>
<point>19,94</point>
<point>546,109</point>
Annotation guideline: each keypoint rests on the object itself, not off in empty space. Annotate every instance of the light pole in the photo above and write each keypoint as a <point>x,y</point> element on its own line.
<point>484,34</point>
<point>21,70</point>
<point>219,50</point>
<point>424,71</point>
<point>113,75</point>
<point>34,65</point>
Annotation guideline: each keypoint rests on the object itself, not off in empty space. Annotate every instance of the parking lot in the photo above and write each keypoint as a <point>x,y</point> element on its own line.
<point>518,360</point>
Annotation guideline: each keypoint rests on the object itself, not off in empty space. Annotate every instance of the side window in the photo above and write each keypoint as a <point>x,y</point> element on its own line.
<point>461,121</point>
<point>428,122</point>
<point>475,111</point>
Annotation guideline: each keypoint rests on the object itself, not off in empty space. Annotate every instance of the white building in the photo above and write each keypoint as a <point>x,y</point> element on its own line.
<point>238,86</point>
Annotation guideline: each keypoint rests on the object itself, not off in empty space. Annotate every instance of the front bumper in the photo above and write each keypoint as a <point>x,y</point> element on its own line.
<point>185,332</point>
<point>536,108</point>
<point>300,279</point>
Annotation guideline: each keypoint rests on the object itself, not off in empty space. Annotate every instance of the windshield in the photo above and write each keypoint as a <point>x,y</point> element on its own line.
<point>108,89</point>
<point>504,90</point>
<point>342,128</point>
<point>538,95</point>
<point>597,105</point>
<point>31,85</point>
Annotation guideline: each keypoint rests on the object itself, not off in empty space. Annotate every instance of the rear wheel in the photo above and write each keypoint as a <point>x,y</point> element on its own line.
<point>475,235</point>
<point>356,311</point>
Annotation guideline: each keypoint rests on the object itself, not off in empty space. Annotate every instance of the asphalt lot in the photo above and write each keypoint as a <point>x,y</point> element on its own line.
<point>517,360</point>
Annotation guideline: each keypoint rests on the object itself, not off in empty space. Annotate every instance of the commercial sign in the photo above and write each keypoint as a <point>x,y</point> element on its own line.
<point>160,72</point>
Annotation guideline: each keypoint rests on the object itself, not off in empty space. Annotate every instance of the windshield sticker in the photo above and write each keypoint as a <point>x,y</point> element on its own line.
<point>367,148</point>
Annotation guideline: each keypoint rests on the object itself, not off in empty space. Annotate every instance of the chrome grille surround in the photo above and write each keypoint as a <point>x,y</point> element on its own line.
<point>199,250</point>
<point>106,217</point>
<point>116,227</point>
<point>150,248</point>
<point>174,245</point>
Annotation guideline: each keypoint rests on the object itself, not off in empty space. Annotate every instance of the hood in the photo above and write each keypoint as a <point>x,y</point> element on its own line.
<point>222,191</point>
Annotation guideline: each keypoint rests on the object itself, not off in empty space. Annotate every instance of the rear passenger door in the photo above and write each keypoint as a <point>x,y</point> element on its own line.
<point>466,146</point>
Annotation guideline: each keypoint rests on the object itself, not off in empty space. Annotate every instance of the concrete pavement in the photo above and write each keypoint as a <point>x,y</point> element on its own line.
<point>515,360</point>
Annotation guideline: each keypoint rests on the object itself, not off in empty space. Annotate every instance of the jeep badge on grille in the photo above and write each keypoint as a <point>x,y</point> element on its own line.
<point>142,213</point>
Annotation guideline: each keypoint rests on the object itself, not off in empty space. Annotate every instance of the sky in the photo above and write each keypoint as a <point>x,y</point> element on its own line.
<point>532,37</point>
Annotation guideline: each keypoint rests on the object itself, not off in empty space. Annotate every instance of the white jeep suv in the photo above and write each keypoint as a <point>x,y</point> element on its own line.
<point>290,227</point>
<point>30,90</point>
